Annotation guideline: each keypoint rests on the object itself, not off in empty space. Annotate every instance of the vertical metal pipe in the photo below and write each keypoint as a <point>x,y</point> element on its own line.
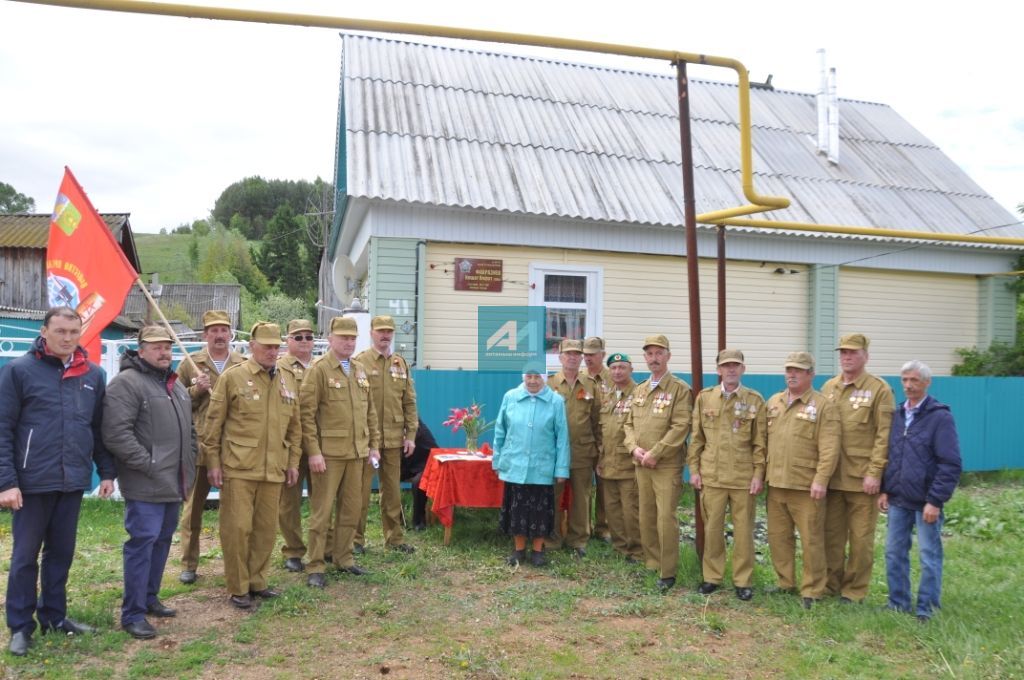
<point>721,287</point>
<point>692,279</point>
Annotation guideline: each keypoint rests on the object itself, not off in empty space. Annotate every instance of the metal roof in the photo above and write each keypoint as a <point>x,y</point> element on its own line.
<point>26,230</point>
<point>452,127</point>
<point>193,298</point>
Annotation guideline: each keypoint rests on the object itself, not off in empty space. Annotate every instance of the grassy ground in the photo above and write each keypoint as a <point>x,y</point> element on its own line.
<point>167,254</point>
<point>459,612</point>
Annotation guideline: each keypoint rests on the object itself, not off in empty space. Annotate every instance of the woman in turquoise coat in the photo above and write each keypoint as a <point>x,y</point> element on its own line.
<point>531,452</point>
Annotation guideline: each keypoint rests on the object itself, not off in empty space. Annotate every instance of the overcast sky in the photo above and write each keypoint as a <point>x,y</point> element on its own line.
<point>157,115</point>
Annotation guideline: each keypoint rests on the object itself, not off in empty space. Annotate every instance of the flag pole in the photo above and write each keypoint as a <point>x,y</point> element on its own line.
<point>167,325</point>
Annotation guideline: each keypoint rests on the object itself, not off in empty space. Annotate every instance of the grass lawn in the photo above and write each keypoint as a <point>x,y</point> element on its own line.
<point>167,254</point>
<point>460,612</point>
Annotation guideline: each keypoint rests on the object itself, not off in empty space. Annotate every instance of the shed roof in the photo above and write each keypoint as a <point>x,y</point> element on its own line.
<point>31,230</point>
<point>193,298</point>
<point>462,128</point>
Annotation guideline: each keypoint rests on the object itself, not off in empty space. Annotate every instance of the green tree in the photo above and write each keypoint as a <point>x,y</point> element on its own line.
<point>13,201</point>
<point>227,253</point>
<point>255,201</point>
<point>279,257</point>
<point>276,308</point>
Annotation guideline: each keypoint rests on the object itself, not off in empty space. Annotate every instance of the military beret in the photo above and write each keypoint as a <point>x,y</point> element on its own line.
<point>618,356</point>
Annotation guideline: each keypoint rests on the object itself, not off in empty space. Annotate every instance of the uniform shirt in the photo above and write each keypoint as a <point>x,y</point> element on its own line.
<point>616,460</point>
<point>339,419</point>
<point>605,386</point>
<point>394,396</point>
<point>583,413</point>
<point>252,429</point>
<point>297,368</point>
<point>188,375</point>
<point>659,420</point>
<point>865,409</point>
<point>727,442</point>
<point>803,440</point>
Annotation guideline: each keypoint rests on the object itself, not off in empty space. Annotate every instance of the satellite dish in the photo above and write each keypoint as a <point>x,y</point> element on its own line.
<point>343,274</point>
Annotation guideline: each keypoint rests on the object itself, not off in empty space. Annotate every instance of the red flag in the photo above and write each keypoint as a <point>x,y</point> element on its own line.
<point>85,267</point>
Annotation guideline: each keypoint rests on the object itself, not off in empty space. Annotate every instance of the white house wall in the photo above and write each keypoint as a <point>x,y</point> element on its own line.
<point>909,315</point>
<point>643,294</point>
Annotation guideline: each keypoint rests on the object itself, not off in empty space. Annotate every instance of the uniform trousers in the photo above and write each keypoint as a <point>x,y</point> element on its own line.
<point>289,517</point>
<point>622,509</point>
<point>789,509</point>
<point>248,530</point>
<point>47,522</point>
<point>577,532</point>
<point>389,489</point>
<point>850,517</point>
<point>192,520</point>
<point>659,489</point>
<point>714,502</point>
<point>601,526</point>
<point>340,486</point>
<point>150,527</point>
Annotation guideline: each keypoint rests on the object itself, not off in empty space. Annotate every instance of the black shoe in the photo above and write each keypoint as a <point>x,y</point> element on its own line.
<point>538,558</point>
<point>922,619</point>
<point>745,594</point>
<point>355,570</point>
<point>329,559</point>
<point>294,565</point>
<point>579,553</point>
<point>808,602</point>
<point>20,642</point>
<point>664,584</point>
<point>188,577</point>
<point>358,549</point>
<point>266,593</point>
<point>515,558</point>
<point>419,526</point>
<point>845,600</point>
<point>316,580</point>
<point>241,601</point>
<point>160,610</point>
<point>140,630</point>
<point>71,627</point>
<point>402,548</point>
<point>706,588</point>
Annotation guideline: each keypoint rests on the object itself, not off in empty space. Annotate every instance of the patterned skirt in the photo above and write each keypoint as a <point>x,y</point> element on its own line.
<point>527,510</point>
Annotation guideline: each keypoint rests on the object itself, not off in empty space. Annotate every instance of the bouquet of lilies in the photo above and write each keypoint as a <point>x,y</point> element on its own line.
<point>469,419</point>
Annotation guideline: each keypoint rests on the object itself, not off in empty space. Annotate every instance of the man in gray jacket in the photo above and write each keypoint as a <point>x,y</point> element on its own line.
<point>147,427</point>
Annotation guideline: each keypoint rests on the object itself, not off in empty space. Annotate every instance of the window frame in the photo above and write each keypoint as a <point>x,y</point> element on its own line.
<point>594,306</point>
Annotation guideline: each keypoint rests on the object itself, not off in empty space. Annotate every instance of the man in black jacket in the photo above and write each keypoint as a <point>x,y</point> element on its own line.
<point>923,471</point>
<point>51,408</point>
<point>147,426</point>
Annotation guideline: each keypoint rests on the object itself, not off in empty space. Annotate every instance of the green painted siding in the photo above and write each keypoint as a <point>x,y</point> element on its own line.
<point>393,275</point>
<point>823,316</point>
<point>997,311</point>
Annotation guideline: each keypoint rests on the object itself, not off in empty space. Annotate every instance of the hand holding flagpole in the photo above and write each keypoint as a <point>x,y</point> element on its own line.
<point>166,324</point>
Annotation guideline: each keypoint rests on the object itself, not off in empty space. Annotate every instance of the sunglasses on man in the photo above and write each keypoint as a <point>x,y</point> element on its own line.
<point>297,338</point>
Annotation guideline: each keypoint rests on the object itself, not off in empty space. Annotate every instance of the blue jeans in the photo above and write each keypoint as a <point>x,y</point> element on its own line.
<point>150,527</point>
<point>897,560</point>
<point>47,522</point>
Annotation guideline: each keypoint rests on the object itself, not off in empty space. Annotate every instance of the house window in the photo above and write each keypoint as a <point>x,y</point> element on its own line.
<point>572,296</point>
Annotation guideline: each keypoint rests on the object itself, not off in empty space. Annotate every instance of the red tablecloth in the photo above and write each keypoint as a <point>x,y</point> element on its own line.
<point>462,483</point>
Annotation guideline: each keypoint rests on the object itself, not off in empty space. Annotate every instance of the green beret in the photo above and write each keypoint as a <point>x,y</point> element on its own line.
<point>618,356</point>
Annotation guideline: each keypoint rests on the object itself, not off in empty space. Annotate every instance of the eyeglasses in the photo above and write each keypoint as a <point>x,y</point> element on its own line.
<point>307,338</point>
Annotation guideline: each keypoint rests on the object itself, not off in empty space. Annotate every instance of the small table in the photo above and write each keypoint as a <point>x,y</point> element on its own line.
<point>459,483</point>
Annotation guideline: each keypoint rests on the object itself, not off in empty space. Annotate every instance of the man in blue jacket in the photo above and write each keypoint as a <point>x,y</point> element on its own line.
<point>51,411</point>
<point>923,471</point>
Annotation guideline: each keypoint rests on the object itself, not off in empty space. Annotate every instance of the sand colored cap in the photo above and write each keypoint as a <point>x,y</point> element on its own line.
<point>658,340</point>
<point>382,323</point>
<point>154,334</point>
<point>804,360</point>
<point>344,325</point>
<point>266,333</point>
<point>568,345</point>
<point>593,345</point>
<point>296,325</point>
<point>216,317</point>
<point>854,341</point>
<point>617,357</point>
<point>730,356</point>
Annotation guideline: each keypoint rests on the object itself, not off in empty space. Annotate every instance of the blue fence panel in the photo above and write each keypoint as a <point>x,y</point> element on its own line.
<point>987,410</point>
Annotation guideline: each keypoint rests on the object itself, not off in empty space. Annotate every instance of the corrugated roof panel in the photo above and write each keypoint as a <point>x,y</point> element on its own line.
<point>25,230</point>
<point>444,126</point>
